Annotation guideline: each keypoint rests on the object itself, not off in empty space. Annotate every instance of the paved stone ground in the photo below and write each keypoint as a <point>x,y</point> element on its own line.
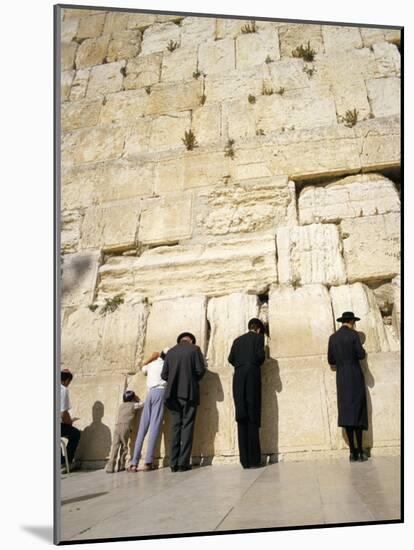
<point>226,497</point>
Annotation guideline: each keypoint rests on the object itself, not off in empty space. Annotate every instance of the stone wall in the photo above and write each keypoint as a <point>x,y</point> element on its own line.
<point>287,207</point>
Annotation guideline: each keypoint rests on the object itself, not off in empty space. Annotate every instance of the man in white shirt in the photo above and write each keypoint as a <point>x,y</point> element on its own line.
<point>66,421</point>
<point>153,411</point>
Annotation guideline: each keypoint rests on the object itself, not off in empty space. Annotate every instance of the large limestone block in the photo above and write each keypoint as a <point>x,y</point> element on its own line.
<point>296,109</point>
<point>122,179</point>
<point>203,169</point>
<point>91,26</point>
<point>123,338</point>
<point>168,131</point>
<point>250,206</point>
<point>81,12</point>
<point>351,197</point>
<point>252,49</point>
<point>300,321</point>
<point>340,38</point>
<point>92,52</point>
<point>228,28</point>
<point>141,21</point>
<point>361,300</point>
<point>239,119</point>
<point>95,400</point>
<point>233,84</point>
<point>350,95</point>
<point>94,342</point>
<point>143,71</point>
<point>372,247</point>
<point>287,74</point>
<point>168,318</point>
<point>384,96</point>
<point>77,183</point>
<point>214,268</point>
<point>217,57</point>
<point>197,29</point>
<point>115,21</point>
<point>296,410</point>
<point>293,35</point>
<point>166,220</point>
<point>105,79</point>
<point>157,37</point>
<point>78,279</point>
<point>138,137</point>
<point>67,55</point>
<point>92,144</point>
<point>79,84</point>
<point>393,36</point>
<point>124,107</point>
<point>70,224</point>
<point>66,80</point>
<point>167,98</point>
<point>309,153</point>
<point>123,45</point>
<point>179,64</point>
<point>215,431</point>
<point>68,29</point>
<point>112,226</point>
<point>164,18</point>
<point>371,35</point>
<point>79,114</point>
<point>169,176</point>
<point>382,374</point>
<point>81,341</point>
<point>381,143</point>
<point>310,254</point>
<point>206,123</point>
<point>388,59</point>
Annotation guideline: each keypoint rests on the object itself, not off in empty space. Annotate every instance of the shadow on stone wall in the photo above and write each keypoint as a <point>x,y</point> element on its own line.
<point>271,386</point>
<point>95,441</point>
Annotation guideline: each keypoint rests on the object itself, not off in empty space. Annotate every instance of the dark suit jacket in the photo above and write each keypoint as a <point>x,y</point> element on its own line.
<point>184,367</point>
<point>246,355</point>
<point>345,351</point>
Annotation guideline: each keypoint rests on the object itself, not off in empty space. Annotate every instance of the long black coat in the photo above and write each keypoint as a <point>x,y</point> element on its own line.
<point>246,355</point>
<point>184,367</point>
<point>345,351</point>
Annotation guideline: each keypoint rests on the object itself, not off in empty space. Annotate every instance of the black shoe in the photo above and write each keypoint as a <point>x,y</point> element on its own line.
<point>256,466</point>
<point>362,457</point>
<point>353,457</point>
<point>174,468</point>
<point>184,468</point>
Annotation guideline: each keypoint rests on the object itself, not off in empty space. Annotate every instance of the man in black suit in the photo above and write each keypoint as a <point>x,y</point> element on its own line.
<point>247,355</point>
<point>184,366</point>
<point>345,351</point>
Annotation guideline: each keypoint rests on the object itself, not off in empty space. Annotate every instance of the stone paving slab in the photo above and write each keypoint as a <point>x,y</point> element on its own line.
<point>226,497</point>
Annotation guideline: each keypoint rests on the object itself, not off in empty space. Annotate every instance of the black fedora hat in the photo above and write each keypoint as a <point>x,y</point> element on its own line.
<point>347,316</point>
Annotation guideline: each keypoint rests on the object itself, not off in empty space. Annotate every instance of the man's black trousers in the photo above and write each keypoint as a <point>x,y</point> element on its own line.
<point>249,444</point>
<point>183,416</point>
<point>73,435</point>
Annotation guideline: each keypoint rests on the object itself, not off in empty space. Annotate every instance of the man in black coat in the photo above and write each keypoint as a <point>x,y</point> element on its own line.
<point>345,351</point>
<point>184,366</point>
<point>247,355</point>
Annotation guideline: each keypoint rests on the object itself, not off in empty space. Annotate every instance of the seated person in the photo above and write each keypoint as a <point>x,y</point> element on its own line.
<point>66,421</point>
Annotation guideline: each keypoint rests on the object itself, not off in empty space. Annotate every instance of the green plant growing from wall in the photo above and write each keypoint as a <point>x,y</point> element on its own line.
<point>148,89</point>
<point>305,52</point>
<point>260,132</point>
<point>350,118</point>
<point>309,71</point>
<point>196,74</point>
<point>112,304</point>
<point>269,60</point>
<point>93,307</point>
<point>229,149</point>
<point>189,140</point>
<point>122,70</point>
<point>252,99</point>
<point>280,91</point>
<point>172,46</point>
<point>249,28</point>
<point>267,90</point>
<point>203,99</point>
